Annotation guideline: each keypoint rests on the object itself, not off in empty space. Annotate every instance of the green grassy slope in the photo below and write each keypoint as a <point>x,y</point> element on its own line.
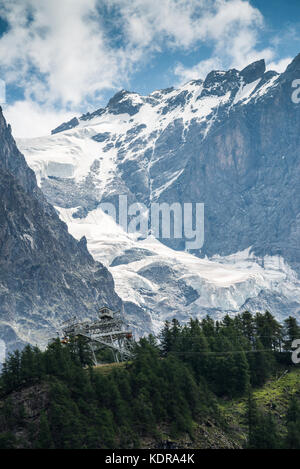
<point>274,396</point>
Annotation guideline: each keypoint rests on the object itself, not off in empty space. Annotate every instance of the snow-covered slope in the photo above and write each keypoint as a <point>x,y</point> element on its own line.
<point>158,283</point>
<point>228,141</point>
<point>129,145</point>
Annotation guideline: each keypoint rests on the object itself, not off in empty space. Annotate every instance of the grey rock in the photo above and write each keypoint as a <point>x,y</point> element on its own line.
<point>66,126</point>
<point>253,71</point>
<point>46,276</point>
<point>121,103</point>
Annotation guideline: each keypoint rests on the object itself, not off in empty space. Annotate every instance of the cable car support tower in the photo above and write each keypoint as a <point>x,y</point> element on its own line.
<point>107,331</point>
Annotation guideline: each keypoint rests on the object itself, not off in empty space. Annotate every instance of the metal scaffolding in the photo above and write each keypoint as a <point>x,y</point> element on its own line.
<point>108,331</point>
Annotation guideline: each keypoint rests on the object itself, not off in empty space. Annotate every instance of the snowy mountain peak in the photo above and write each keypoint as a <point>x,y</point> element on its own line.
<point>66,126</point>
<point>294,66</point>
<point>253,71</point>
<point>230,142</point>
<point>219,82</point>
<point>216,84</point>
<point>124,102</point>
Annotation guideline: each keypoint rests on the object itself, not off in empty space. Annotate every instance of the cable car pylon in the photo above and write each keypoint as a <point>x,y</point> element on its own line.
<point>107,331</point>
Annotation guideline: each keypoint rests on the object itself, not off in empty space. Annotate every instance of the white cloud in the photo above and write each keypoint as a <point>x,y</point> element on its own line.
<point>198,71</point>
<point>281,65</point>
<point>183,23</point>
<point>233,31</point>
<point>60,50</point>
<point>29,119</point>
<point>62,54</point>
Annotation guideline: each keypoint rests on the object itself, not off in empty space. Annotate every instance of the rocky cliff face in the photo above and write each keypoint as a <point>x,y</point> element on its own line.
<point>46,276</point>
<point>247,173</point>
<point>231,141</point>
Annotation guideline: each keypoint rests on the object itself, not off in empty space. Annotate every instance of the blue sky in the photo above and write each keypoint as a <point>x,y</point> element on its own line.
<point>63,57</point>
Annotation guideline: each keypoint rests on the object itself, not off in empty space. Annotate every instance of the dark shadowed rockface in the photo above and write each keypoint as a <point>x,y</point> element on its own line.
<point>46,276</point>
<point>247,172</point>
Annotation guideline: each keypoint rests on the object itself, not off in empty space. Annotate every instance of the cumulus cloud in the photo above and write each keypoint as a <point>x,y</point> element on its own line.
<point>233,32</point>
<point>56,50</point>
<point>199,70</point>
<point>65,53</point>
<point>280,65</point>
<point>183,23</point>
<point>30,119</point>
<point>229,27</point>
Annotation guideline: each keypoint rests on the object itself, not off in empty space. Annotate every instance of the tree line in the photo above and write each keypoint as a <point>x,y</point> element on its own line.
<point>175,379</point>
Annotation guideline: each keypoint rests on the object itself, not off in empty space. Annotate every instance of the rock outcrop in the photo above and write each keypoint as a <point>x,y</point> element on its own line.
<point>46,276</point>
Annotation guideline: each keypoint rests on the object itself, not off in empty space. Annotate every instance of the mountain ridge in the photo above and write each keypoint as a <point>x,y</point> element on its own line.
<point>46,276</point>
<point>250,73</point>
<point>229,141</point>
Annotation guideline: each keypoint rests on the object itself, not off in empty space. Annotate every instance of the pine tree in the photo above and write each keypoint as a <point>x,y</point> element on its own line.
<point>252,417</point>
<point>261,364</point>
<point>166,339</point>
<point>44,440</point>
<point>7,440</point>
<point>247,326</point>
<point>293,425</point>
<point>291,332</point>
<point>263,430</point>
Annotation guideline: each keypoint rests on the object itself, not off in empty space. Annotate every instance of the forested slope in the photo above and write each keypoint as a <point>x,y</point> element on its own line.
<point>228,384</point>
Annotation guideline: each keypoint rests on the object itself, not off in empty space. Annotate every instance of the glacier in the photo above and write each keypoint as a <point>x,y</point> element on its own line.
<point>212,141</point>
<point>157,283</point>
